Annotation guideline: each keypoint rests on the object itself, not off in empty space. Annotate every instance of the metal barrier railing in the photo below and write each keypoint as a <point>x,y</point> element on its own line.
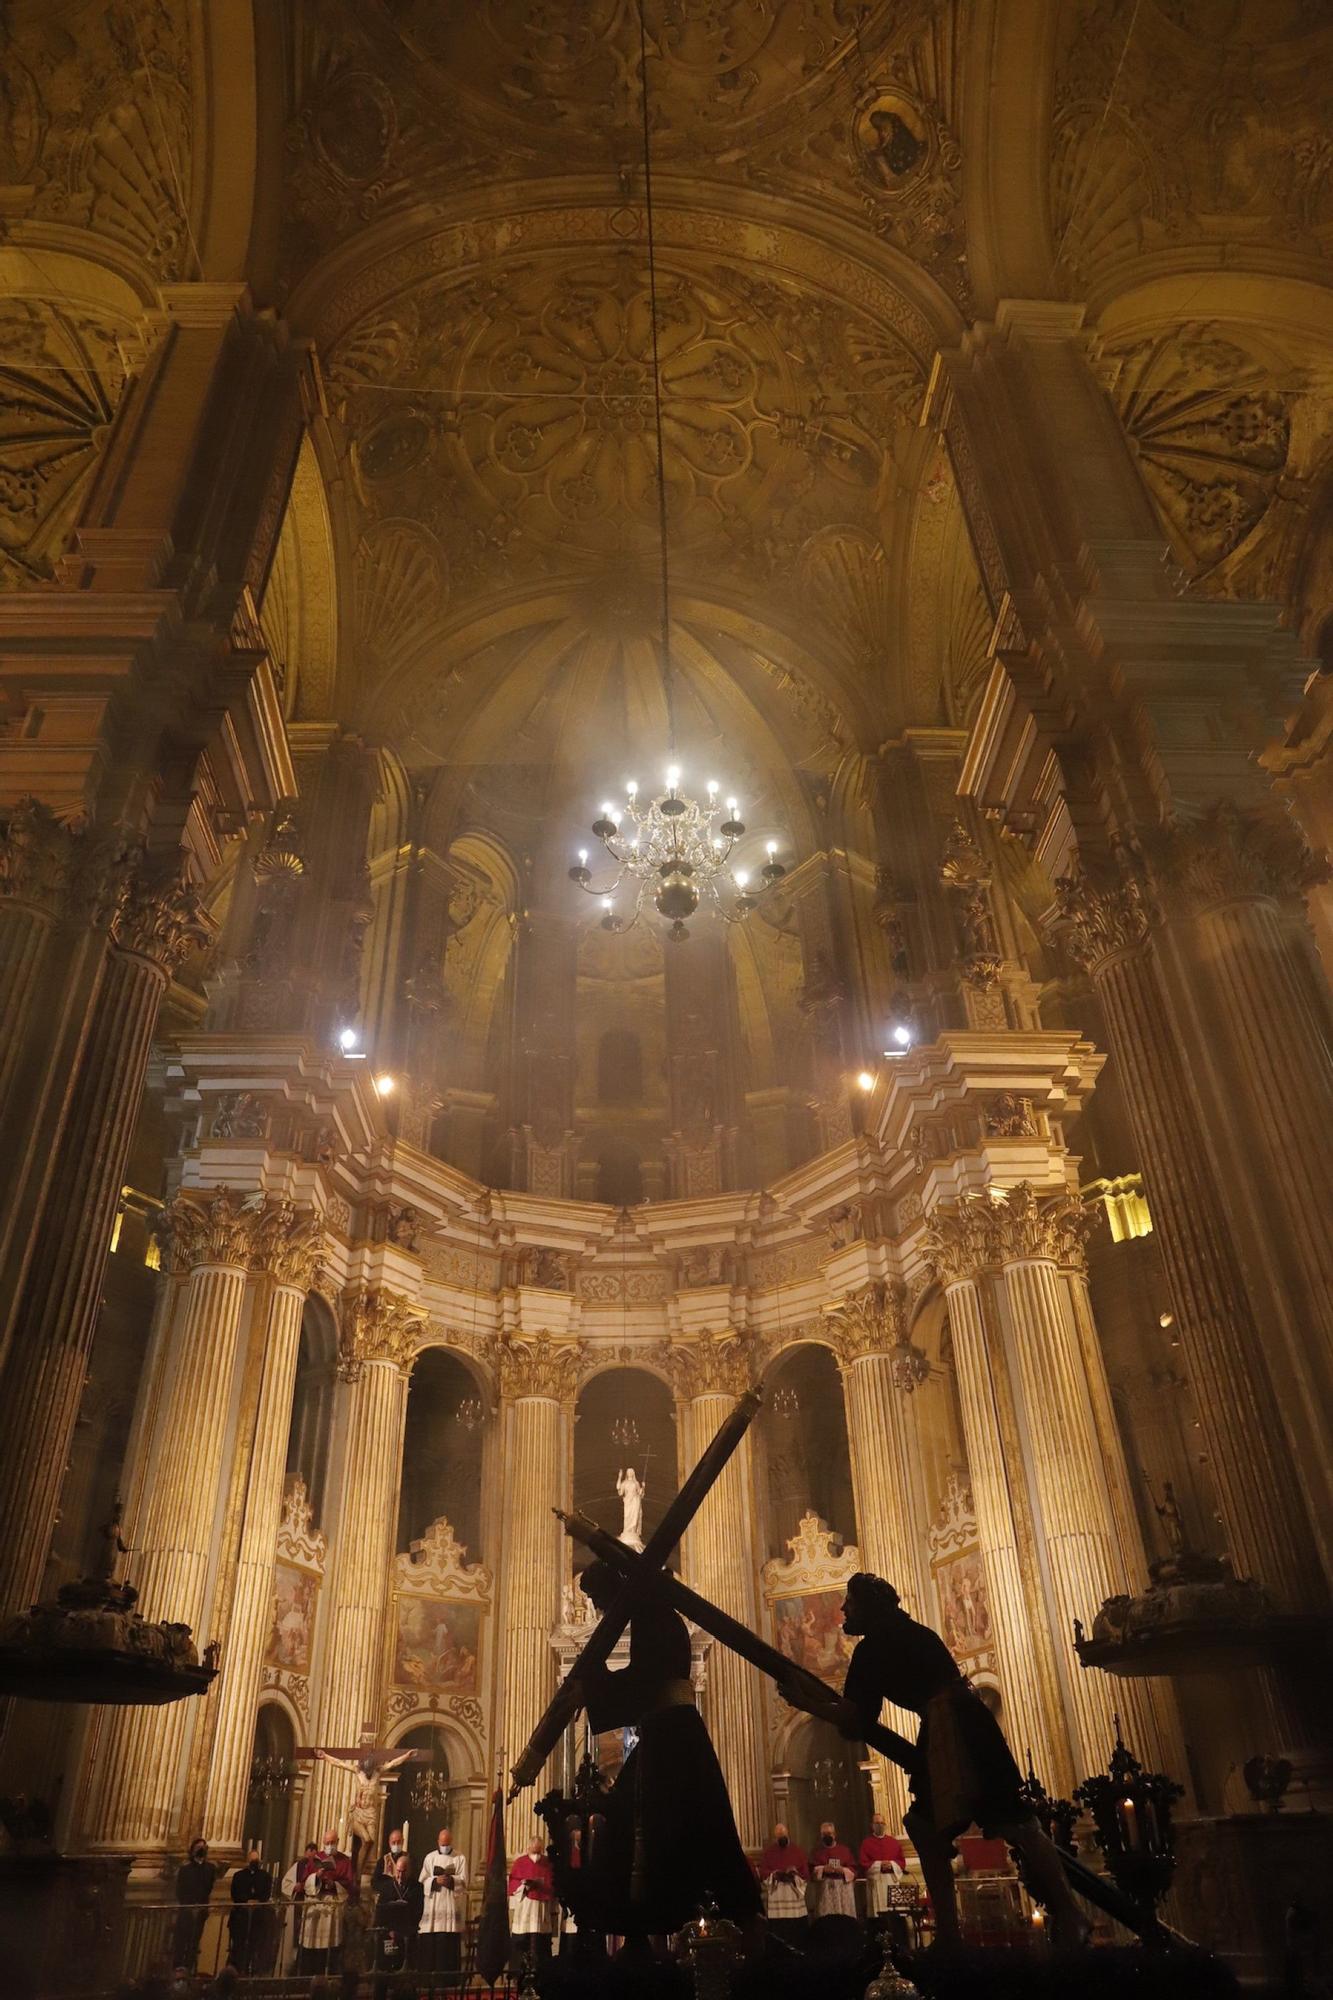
<point>271,1944</point>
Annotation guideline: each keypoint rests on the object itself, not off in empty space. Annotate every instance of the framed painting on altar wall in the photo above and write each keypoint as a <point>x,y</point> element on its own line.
<point>808,1630</point>
<point>295,1595</point>
<point>436,1644</point>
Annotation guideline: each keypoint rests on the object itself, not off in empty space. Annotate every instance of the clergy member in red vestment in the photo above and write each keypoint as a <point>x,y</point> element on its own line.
<point>784,1872</point>
<point>833,1866</point>
<point>531,1902</point>
<point>882,1863</point>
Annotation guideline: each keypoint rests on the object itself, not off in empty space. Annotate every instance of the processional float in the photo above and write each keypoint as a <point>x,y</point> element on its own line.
<point>645,1577</point>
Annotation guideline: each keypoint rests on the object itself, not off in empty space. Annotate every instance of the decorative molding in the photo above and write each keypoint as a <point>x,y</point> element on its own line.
<point>539,1367</point>
<point>377,1326</point>
<point>298,1542</point>
<point>436,1566</point>
<point>1100,923</point>
<point>291,1245</point>
<point>217,1227</point>
<point>67,868</point>
<point>817,1559</point>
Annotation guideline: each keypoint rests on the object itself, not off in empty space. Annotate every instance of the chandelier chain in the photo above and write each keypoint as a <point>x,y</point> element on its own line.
<point>665,636</point>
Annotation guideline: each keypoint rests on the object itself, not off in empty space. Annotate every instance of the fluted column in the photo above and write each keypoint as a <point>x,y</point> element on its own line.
<point>48,1358</point>
<point>179,1483</point>
<point>1076,1473</point>
<point>291,1265</point>
<point>378,1344</point>
<point>719,1561</point>
<point>1265,1524</point>
<point>1033,1721</point>
<point>538,1378</point>
<point>880,1371</point>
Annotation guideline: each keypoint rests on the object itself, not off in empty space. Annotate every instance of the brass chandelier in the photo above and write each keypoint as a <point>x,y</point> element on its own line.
<point>672,848</point>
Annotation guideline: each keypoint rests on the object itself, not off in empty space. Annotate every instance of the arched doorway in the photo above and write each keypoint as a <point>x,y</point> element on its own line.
<point>312,1404</point>
<point>268,1802</point>
<point>825,1781</point>
<point>803,1434</point>
<point>426,1797</point>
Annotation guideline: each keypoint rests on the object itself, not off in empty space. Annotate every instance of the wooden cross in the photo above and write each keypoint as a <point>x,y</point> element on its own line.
<point>598,1647</point>
<point>373,1758</point>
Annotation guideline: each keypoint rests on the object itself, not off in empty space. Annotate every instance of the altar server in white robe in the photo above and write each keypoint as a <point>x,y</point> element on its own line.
<point>443,1879</point>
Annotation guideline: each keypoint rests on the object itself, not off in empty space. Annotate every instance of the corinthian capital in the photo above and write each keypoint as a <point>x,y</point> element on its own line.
<point>716,1364</point>
<point>987,1231</point>
<point>1100,922</point>
<point>377,1325</point>
<point>160,919</point>
<point>539,1367</point>
<point>1026,1226</point>
<point>958,1242</point>
<point>1228,856</point>
<point>68,869</point>
<point>290,1244</point>
<point>217,1227</point>
<point>875,1322</point>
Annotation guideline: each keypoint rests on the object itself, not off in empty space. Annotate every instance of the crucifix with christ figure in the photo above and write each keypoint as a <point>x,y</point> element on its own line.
<point>369,1765</point>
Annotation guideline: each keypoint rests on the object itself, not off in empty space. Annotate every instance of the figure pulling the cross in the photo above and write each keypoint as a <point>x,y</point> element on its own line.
<point>368,1766</point>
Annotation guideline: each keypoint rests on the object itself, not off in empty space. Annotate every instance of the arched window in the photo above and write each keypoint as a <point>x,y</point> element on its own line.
<point>619,1067</point>
<point>312,1402</point>
<point>619,1174</point>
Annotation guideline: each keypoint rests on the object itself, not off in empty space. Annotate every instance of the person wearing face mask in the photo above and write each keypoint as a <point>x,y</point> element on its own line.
<point>194,1886</point>
<point>531,1903</point>
<point>386,1868</point>
<point>784,1871</point>
<point>443,1879</point>
<point>250,1924</point>
<point>834,1870</point>
<point>883,1863</point>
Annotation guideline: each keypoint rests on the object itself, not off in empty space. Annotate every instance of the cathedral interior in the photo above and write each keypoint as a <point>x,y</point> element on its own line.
<point>420,427</point>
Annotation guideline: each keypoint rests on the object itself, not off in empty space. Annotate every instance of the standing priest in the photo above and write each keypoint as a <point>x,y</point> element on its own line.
<point>784,1872</point>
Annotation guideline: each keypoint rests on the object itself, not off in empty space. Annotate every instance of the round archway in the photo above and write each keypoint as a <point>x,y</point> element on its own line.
<point>625,1421</point>
<point>269,1799</point>
<point>803,1432</point>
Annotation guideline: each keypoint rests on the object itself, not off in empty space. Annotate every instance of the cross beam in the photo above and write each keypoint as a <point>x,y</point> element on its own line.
<point>1094,1889</point>
<point>599,1646</point>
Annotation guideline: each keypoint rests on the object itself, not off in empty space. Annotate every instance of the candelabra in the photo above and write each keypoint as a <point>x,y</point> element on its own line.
<point>625,1434</point>
<point>1131,1814</point>
<point>1057,1818</point>
<point>470,1414</point>
<point>785,1403</point>
<point>270,1778</point>
<point>430,1792</point>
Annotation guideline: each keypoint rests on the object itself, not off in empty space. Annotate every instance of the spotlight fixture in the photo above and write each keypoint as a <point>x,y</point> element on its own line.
<point>901,1035</point>
<point>865,1081</point>
<point>347,1039</point>
<point>385,1085</point>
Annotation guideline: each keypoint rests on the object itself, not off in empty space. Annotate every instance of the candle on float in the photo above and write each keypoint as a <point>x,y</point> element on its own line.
<point>1038,1919</point>
<point>1129,1822</point>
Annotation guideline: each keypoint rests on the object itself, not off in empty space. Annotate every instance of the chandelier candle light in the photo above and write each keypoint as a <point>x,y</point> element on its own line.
<point>677,849</point>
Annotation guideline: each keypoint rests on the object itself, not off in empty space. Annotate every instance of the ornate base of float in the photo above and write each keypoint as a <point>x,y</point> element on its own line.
<point>91,1645</point>
<point>1195,1617</point>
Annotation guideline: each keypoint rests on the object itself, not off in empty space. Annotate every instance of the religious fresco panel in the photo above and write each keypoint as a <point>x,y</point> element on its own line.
<point>436,1644</point>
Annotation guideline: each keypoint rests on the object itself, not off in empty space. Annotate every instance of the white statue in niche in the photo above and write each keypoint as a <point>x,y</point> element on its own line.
<point>631,1490</point>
